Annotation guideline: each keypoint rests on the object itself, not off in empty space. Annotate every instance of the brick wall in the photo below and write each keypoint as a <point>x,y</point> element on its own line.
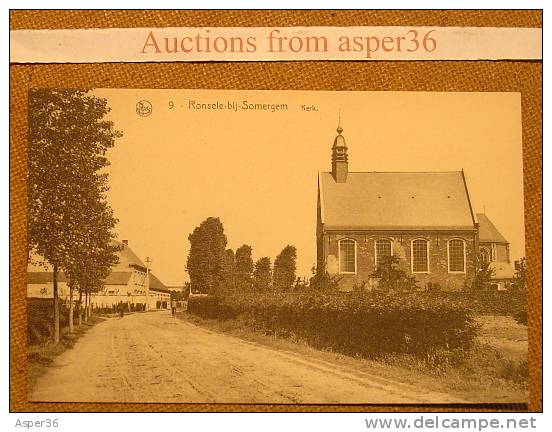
<point>438,256</point>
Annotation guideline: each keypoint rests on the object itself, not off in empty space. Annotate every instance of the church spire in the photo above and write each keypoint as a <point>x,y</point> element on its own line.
<point>340,159</point>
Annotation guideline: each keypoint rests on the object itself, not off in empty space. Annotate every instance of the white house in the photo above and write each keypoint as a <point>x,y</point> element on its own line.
<point>129,282</point>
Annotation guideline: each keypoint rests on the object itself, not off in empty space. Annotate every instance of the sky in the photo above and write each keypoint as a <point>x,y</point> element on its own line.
<point>257,169</point>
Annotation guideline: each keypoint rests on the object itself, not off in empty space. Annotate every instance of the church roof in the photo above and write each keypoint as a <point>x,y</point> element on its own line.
<point>396,201</point>
<point>487,231</point>
<point>501,270</point>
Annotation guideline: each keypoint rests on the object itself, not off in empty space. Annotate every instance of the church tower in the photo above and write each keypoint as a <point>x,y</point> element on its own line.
<point>340,159</point>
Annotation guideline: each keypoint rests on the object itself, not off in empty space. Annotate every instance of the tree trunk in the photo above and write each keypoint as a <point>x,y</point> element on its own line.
<point>86,307</point>
<point>80,308</point>
<point>56,305</point>
<point>71,309</point>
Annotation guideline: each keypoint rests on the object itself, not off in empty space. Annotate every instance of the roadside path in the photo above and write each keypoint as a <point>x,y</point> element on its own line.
<point>152,357</point>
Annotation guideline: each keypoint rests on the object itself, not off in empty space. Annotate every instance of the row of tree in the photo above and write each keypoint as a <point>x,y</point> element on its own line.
<point>70,223</point>
<point>214,269</point>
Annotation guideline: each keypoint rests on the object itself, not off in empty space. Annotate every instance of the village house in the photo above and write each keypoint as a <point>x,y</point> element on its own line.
<point>126,283</point>
<point>423,218</point>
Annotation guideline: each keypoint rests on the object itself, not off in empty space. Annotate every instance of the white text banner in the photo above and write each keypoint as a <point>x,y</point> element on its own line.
<point>274,44</point>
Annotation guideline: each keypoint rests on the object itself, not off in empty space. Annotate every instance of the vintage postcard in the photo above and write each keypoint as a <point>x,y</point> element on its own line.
<point>276,247</point>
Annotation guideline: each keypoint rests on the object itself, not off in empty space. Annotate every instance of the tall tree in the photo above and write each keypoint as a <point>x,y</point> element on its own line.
<point>94,262</point>
<point>229,271</point>
<point>244,268</point>
<point>205,259</point>
<point>262,274</point>
<point>519,281</point>
<point>68,140</point>
<point>284,269</point>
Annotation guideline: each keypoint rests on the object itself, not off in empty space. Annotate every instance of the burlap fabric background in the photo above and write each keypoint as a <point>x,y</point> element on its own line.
<point>524,77</point>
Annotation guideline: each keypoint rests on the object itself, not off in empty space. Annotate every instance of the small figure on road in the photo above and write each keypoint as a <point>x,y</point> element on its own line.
<point>120,309</point>
<point>173,307</point>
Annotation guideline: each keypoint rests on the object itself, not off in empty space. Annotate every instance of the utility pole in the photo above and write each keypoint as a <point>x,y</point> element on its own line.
<point>148,261</point>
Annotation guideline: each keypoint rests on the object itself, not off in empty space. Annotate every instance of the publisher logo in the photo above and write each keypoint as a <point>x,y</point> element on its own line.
<point>144,108</point>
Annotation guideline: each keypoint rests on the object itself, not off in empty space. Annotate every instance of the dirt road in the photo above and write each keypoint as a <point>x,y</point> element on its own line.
<point>152,357</point>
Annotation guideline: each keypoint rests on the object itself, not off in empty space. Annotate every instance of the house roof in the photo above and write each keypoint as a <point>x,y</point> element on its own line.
<point>501,270</point>
<point>120,274</point>
<point>43,277</point>
<point>127,258</point>
<point>114,278</point>
<point>487,231</point>
<point>156,285</point>
<point>396,201</point>
<point>118,278</point>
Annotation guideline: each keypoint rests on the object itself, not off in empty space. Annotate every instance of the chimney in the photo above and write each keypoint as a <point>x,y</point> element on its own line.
<point>125,243</point>
<point>340,159</point>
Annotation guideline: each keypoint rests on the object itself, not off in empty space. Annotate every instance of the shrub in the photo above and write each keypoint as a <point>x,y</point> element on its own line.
<point>324,282</point>
<point>367,325</point>
<point>483,278</point>
<point>391,275</point>
<point>515,371</point>
<point>521,316</point>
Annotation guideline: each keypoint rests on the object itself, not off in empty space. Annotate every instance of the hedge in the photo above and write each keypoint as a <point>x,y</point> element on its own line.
<point>366,325</point>
<point>489,302</point>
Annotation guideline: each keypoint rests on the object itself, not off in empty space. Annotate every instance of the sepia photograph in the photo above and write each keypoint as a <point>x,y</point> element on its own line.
<point>276,247</point>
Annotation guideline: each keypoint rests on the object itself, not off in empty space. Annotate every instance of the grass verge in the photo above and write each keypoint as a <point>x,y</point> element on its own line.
<point>41,356</point>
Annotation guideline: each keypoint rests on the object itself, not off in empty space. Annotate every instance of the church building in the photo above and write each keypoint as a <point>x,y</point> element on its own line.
<point>494,251</point>
<point>423,218</point>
